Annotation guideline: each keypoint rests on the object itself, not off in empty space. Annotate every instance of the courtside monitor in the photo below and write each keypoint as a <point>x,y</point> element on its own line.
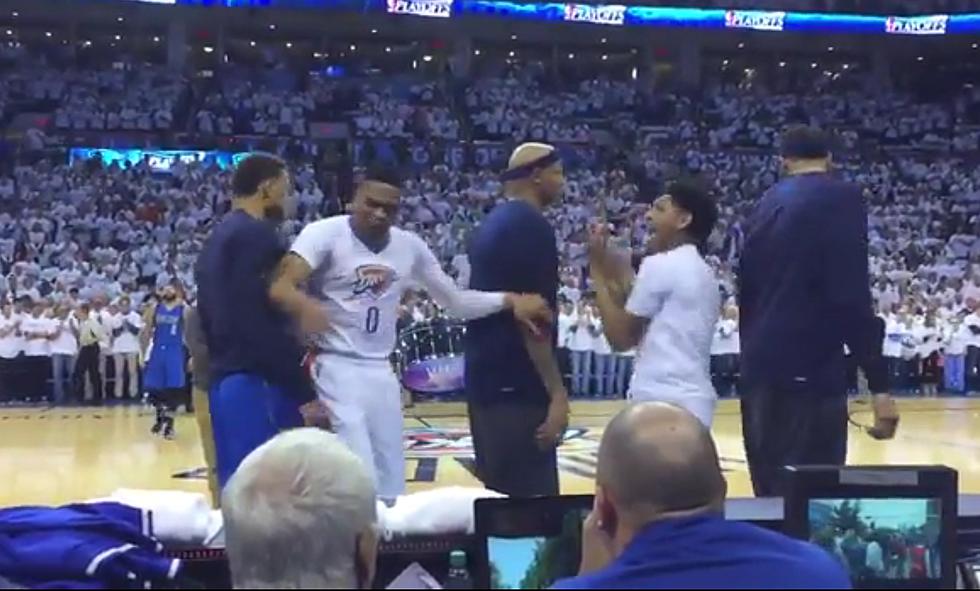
<point>528,543</point>
<point>891,527</point>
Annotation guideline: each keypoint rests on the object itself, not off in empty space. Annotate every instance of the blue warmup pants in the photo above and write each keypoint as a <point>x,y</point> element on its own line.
<point>247,411</point>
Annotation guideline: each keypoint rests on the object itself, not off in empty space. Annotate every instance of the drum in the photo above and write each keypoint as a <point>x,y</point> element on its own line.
<point>428,357</point>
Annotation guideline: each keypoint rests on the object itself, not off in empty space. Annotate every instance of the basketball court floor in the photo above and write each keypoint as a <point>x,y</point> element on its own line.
<point>60,455</point>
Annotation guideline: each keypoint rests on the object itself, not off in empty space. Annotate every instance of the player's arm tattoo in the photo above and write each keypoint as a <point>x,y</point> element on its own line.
<point>543,357</point>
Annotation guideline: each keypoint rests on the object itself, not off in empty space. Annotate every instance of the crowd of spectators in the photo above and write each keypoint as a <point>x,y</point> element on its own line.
<point>71,233</point>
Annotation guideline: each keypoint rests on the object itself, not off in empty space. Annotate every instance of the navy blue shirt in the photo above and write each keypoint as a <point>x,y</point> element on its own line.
<point>244,331</point>
<point>708,552</point>
<point>513,250</point>
<point>804,289</point>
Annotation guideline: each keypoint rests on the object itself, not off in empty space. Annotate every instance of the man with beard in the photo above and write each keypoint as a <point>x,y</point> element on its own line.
<point>164,376</point>
<point>258,386</point>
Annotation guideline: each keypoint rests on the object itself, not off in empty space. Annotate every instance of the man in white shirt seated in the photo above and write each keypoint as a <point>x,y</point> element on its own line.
<point>672,308</point>
<point>300,513</point>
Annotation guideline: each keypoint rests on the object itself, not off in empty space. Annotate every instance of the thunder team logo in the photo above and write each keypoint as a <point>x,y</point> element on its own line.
<point>373,280</point>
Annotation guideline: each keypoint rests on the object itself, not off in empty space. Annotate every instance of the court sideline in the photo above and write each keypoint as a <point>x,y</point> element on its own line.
<point>60,455</point>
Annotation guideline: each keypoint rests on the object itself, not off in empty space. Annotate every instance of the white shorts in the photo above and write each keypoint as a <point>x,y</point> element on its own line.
<point>364,398</point>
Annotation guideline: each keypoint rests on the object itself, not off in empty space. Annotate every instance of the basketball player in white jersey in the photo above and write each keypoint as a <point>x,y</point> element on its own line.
<point>358,266</point>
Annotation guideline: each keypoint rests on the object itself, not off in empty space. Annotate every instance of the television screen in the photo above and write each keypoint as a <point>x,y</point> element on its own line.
<point>880,539</point>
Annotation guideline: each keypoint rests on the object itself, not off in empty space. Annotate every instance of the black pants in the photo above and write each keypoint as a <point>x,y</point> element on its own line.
<point>87,366</point>
<point>724,374</point>
<point>973,369</point>
<point>508,459</point>
<point>791,425</point>
<point>37,370</point>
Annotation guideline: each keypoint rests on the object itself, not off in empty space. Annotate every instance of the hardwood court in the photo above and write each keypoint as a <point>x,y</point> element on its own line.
<point>54,456</point>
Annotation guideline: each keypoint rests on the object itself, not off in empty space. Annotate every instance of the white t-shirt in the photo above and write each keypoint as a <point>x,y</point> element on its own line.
<point>895,333</point>
<point>726,338</point>
<point>929,339</point>
<point>10,344</point>
<point>972,327</point>
<point>600,344</point>
<point>677,291</point>
<point>580,336</point>
<point>361,289</point>
<point>37,346</point>
<point>126,341</point>
<point>564,329</point>
<point>65,343</point>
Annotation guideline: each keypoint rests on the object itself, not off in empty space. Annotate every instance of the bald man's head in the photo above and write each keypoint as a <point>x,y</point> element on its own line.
<point>535,173</point>
<point>657,458</point>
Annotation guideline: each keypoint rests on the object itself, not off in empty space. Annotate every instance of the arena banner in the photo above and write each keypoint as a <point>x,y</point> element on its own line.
<point>423,155</point>
<point>161,161</point>
<point>439,376</point>
<point>427,8</point>
<point>636,15</point>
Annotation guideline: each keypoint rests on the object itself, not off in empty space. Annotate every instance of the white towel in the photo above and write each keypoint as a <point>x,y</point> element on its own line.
<point>439,511</point>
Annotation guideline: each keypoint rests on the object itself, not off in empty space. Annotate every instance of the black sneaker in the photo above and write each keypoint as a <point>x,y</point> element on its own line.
<point>169,433</point>
<point>157,427</point>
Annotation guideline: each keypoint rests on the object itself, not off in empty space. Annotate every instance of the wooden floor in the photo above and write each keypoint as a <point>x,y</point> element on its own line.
<point>53,456</point>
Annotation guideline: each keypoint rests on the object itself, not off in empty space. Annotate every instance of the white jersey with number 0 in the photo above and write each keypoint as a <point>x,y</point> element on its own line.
<point>361,289</point>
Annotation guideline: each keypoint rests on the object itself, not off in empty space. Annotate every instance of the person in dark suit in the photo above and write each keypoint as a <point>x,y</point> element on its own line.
<point>517,401</point>
<point>804,293</point>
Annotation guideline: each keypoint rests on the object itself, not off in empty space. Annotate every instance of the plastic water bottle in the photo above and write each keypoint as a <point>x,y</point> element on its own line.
<point>459,574</point>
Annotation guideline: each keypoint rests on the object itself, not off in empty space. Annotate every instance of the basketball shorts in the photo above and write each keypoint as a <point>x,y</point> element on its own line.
<point>165,369</point>
<point>247,411</point>
<point>364,398</point>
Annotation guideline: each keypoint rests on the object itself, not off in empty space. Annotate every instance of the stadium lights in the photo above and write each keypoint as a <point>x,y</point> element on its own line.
<point>605,57</point>
<point>353,47</point>
<point>634,73</point>
<point>975,46</point>
<point>272,27</point>
<point>846,66</point>
<point>156,39</point>
<point>782,64</point>
<point>374,31</point>
<point>289,45</point>
<point>118,37</point>
<point>251,43</point>
<point>724,63</point>
<point>920,58</point>
<point>426,58</point>
<point>512,53</point>
<point>741,45</point>
<point>119,19</point>
<point>47,34</point>
<point>15,14</point>
<point>87,44</point>
<point>476,52</point>
<point>604,40</point>
<point>208,49</point>
<point>831,48</point>
<point>571,56</point>
<point>513,37</point>
<point>10,32</point>
<point>387,49</point>
<point>813,66</point>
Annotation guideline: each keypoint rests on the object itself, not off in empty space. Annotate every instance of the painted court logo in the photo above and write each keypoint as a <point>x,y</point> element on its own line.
<point>373,280</point>
<point>427,443</point>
